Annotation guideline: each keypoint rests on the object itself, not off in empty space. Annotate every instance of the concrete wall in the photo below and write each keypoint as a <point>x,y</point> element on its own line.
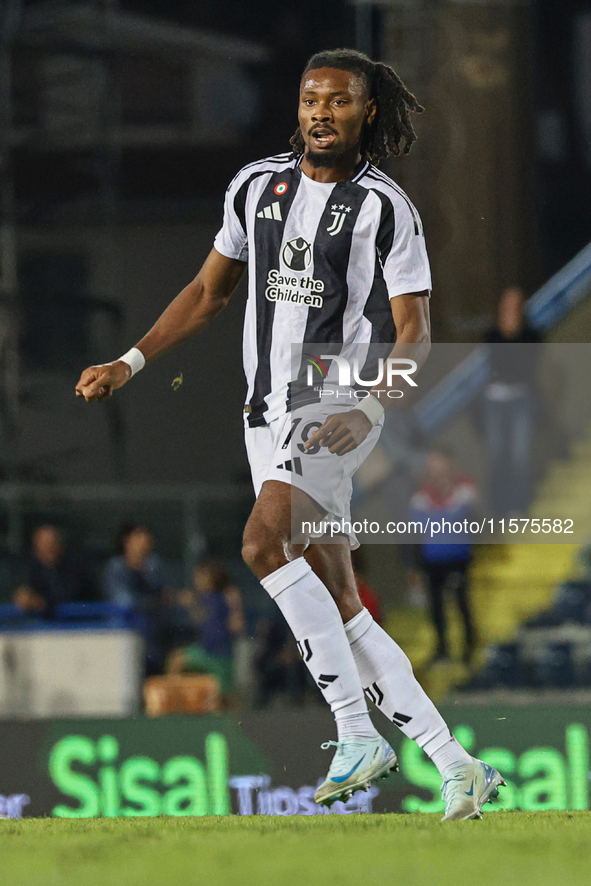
<point>191,434</point>
<point>470,173</point>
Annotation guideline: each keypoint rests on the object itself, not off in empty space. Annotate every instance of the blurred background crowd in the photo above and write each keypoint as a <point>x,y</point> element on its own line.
<point>121,124</point>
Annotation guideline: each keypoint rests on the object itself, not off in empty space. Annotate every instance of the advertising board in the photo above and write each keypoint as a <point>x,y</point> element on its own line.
<point>270,763</point>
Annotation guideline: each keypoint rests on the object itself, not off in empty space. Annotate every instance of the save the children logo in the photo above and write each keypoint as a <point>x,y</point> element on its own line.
<point>297,254</point>
<point>296,290</point>
<point>285,287</point>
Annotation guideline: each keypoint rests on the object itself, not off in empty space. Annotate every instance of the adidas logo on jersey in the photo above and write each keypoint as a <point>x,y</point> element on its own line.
<point>293,465</point>
<point>273,211</point>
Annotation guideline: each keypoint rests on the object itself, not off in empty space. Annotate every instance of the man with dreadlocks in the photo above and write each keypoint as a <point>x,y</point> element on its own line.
<point>336,253</point>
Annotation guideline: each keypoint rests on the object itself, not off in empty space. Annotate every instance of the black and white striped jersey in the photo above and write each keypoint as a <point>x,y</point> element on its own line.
<point>323,262</point>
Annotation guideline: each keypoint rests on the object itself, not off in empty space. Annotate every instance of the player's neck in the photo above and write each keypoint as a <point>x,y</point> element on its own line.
<point>342,171</point>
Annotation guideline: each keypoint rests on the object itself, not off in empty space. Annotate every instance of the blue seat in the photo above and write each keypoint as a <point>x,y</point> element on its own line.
<point>70,616</point>
<point>553,667</point>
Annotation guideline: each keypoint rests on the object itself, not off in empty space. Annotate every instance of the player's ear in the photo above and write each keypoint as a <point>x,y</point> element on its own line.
<point>371,110</point>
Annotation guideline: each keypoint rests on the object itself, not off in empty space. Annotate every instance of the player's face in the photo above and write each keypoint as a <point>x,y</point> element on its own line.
<point>334,107</point>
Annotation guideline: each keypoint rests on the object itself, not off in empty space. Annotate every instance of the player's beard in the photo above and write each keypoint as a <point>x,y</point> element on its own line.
<point>323,159</point>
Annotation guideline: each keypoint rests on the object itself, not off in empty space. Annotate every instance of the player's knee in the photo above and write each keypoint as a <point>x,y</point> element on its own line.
<point>262,559</point>
<point>264,554</point>
<point>251,554</point>
<point>258,553</point>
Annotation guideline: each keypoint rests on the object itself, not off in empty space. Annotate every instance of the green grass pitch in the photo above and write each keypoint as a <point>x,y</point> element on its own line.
<point>505,849</point>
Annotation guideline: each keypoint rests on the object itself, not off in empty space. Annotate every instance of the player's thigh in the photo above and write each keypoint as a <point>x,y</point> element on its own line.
<point>271,518</point>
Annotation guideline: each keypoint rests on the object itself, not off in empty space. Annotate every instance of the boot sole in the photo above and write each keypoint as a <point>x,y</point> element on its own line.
<point>489,796</point>
<point>345,794</point>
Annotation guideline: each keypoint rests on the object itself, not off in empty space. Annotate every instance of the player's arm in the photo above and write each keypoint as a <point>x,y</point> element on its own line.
<point>344,431</point>
<point>190,312</point>
<point>410,313</point>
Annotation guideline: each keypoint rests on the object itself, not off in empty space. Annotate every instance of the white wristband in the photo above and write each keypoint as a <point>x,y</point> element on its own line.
<point>371,408</point>
<point>134,359</point>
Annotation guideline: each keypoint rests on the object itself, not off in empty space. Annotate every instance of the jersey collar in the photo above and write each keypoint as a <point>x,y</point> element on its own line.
<point>364,167</point>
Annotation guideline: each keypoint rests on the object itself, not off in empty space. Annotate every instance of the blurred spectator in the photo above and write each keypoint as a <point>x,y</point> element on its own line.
<point>509,402</point>
<point>135,576</point>
<point>136,579</point>
<point>54,577</point>
<point>446,495</point>
<point>215,605</point>
<point>584,559</point>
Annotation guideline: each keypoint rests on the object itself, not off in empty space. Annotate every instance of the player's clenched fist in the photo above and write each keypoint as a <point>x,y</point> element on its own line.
<point>99,382</point>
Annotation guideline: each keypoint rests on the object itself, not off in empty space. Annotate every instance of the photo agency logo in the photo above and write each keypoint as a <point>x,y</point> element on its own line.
<point>348,375</point>
<point>315,363</point>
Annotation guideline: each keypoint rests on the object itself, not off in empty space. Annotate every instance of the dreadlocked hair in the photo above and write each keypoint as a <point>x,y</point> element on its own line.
<point>392,123</point>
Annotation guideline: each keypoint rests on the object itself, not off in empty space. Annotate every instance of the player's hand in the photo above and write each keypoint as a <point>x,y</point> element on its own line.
<point>99,382</point>
<point>341,432</point>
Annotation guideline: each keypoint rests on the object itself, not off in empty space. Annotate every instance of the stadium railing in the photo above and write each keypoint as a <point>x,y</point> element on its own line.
<point>177,512</point>
<point>69,616</point>
<point>550,304</point>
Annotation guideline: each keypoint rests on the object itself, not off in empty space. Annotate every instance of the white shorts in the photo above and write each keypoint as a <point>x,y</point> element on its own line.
<point>275,452</point>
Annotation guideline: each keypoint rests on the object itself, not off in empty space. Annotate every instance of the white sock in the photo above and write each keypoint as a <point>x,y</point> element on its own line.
<point>388,680</point>
<point>449,756</point>
<point>355,726</point>
<point>314,619</point>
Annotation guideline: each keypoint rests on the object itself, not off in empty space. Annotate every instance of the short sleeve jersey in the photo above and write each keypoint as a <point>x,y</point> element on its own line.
<point>324,260</point>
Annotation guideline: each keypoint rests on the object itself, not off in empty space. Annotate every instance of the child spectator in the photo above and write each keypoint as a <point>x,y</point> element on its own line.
<point>215,605</point>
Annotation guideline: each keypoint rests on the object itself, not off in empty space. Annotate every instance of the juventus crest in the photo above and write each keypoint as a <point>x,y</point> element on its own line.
<point>339,214</point>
